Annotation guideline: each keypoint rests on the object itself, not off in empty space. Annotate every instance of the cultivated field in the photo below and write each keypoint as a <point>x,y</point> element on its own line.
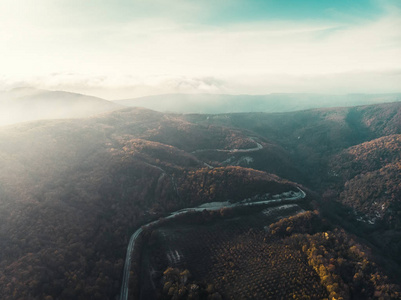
<point>235,257</point>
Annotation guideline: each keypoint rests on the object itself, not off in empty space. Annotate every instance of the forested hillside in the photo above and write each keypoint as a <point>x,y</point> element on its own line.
<point>73,191</point>
<point>348,155</point>
<point>370,173</point>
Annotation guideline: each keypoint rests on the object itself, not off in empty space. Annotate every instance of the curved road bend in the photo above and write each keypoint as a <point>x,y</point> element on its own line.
<point>257,148</point>
<point>207,206</point>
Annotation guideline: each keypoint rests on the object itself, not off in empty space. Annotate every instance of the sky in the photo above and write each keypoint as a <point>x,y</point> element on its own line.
<point>119,49</point>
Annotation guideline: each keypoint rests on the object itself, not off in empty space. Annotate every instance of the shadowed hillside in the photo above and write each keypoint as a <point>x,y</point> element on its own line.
<point>370,173</point>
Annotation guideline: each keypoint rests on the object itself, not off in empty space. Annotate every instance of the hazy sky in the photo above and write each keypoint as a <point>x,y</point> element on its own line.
<point>124,48</point>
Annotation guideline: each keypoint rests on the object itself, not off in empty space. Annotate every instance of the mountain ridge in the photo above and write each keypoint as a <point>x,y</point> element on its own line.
<point>277,102</point>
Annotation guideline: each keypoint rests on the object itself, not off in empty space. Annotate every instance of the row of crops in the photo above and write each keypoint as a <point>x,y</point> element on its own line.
<point>236,256</point>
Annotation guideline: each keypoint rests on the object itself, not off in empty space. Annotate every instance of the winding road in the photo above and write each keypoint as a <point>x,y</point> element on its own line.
<point>257,148</point>
<point>287,196</point>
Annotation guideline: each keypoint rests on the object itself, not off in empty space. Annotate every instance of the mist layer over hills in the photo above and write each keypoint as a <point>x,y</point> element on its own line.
<point>28,104</point>
<point>217,104</point>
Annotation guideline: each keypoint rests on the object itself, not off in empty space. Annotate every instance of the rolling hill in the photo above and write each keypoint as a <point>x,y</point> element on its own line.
<point>73,191</point>
<point>370,174</point>
<point>27,104</point>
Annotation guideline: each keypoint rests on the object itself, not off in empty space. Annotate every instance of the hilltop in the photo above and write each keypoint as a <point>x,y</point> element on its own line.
<point>28,104</point>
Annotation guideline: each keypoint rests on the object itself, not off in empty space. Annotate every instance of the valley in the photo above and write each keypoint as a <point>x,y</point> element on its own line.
<point>200,150</point>
<point>74,191</point>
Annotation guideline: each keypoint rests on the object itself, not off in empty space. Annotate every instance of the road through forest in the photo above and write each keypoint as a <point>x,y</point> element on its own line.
<point>207,206</point>
<point>287,196</point>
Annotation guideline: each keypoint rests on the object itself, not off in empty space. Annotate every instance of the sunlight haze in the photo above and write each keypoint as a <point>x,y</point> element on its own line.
<point>200,149</point>
<point>121,49</point>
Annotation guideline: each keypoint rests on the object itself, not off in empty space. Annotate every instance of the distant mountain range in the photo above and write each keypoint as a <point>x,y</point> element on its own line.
<point>218,104</point>
<point>28,104</point>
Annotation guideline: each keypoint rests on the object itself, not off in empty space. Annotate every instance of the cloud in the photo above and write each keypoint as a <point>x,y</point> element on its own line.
<point>123,87</point>
<point>152,50</point>
<point>150,47</point>
<point>119,87</point>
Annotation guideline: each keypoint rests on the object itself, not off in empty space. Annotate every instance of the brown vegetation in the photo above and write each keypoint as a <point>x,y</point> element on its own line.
<point>72,192</point>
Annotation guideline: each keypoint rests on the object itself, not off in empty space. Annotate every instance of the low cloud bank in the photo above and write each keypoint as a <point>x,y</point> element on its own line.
<point>123,87</point>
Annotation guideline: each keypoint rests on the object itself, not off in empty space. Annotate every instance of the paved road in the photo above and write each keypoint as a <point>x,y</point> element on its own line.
<point>257,148</point>
<point>207,206</point>
<point>127,266</point>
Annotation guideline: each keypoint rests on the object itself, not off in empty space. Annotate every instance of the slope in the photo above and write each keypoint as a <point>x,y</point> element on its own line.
<point>27,104</point>
<point>72,192</point>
